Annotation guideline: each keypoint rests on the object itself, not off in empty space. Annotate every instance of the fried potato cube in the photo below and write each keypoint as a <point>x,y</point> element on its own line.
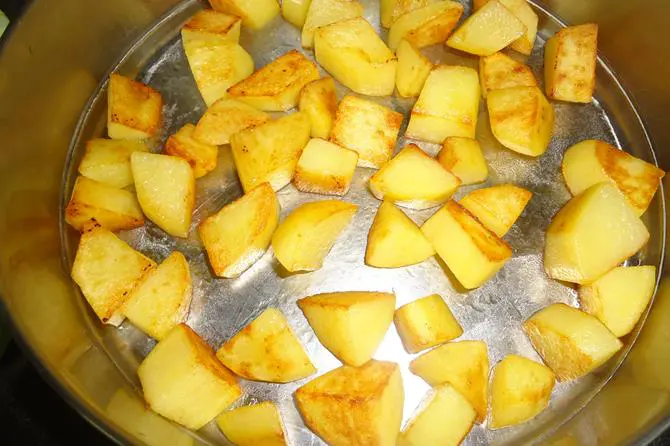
<point>107,161</point>
<point>473,253</point>
<point>106,270</point>
<point>192,390</point>
<point>497,207</point>
<point>367,128</point>
<point>134,110</point>
<point>295,11</point>
<point>427,25</point>
<point>391,10</point>
<point>325,168</point>
<point>447,106</point>
<point>211,24</point>
<point>499,71</point>
<point>224,118</point>
<point>319,101</point>
<point>488,30</point>
<point>201,157</point>
<point>591,161</point>
<point>463,157</point>
<point>413,69</point>
<point>115,209</point>
<point>395,240</point>
<point>277,85</point>
<point>267,350</point>
<point>570,63</point>
<point>414,180</point>
<point>165,188</point>
<point>350,324</point>
<point>464,365</point>
<point>269,152</point>
<point>521,119</point>
<point>353,53</point>
<point>594,232</point>
<point>325,12</point>
<point>443,417</point>
<point>216,66</point>
<point>255,14</point>
<point>572,343</point>
<point>425,323</point>
<point>258,424</point>
<point>303,240</point>
<point>354,405</point>
<point>619,298</point>
<point>240,233</point>
<point>520,390</point>
<point>523,12</point>
<point>161,300</point>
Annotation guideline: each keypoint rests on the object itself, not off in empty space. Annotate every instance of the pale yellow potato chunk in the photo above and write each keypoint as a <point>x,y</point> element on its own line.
<point>211,24</point>
<point>255,14</point>
<point>463,157</point>
<point>499,71</point>
<point>319,100</point>
<point>240,233</point>
<point>570,63</point>
<point>395,240</point>
<point>350,324</point>
<point>413,69</point>
<point>414,180</point>
<point>594,232</point>
<point>269,152</point>
<point>391,10</point>
<point>267,350</point>
<point>276,86</point>
<point>521,119</point>
<point>425,323</point>
<point>326,12</point>
<point>447,106</point>
<point>619,298</point>
<point>464,365</point>
<point>254,425</point>
<point>192,390</point>
<point>201,156</point>
<point>497,207</point>
<point>520,389</point>
<point>325,168</point>
<point>304,238</point>
<point>527,16</point>
<point>165,188</point>
<point>134,110</point>
<point>592,161</point>
<point>295,11</point>
<point>354,405</point>
<point>107,161</point>
<point>115,209</point>
<point>427,25</point>
<point>444,417</point>
<point>367,128</point>
<point>161,300</point>
<point>473,253</point>
<point>226,117</point>
<point>106,270</point>
<point>572,343</point>
<point>353,53</point>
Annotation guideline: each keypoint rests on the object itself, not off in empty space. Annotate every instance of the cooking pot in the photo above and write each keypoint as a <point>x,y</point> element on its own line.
<point>52,62</point>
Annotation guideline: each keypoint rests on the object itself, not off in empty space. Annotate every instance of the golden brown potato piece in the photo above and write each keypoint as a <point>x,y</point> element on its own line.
<point>391,10</point>
<point>463,157</point>
<point>255,14</point>
<point>413,69</point>
<point>497,207</point>
<point>240,233</point>
<point>266,350</point>
<point>226,117</point>
<point>190,391</point>
<point>325,168</point>
<point>215,25</point>
<point>115,209</point>
<point>354,405</point>
<point>319,100</point>
<point>107,161</point>
<point>425,26</point>
<point>499,71</point>
<point>255,425</point>
<point>277,85</point>
<point>324,12</point>
<point>202,157</point>
<point>367,128</point>
<point>134,110</point>
<point>106,270</point>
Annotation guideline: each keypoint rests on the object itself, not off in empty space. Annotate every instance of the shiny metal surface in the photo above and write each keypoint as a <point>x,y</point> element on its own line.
<point>92,362</point>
